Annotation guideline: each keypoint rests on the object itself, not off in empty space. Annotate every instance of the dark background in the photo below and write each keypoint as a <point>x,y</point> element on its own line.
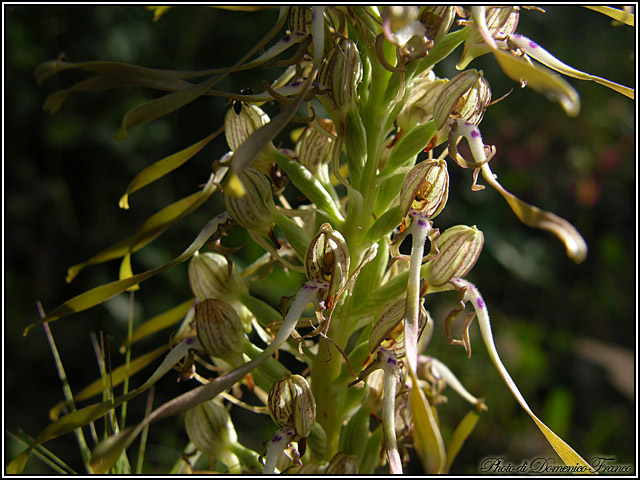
<point>64,175</point>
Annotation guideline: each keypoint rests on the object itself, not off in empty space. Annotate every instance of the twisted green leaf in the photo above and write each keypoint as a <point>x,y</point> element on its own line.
<point>152,228</point>
<point>164,105</point>
<point>540,79</point>
<point>99,294</point>
<point>460,435</point>
<point>622,16</point>
<point>164,166</point>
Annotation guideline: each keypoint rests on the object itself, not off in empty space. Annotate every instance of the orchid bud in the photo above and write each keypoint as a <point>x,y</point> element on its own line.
<point>501,22</point>
<point>424,92</point>
<point>343,464</point>
<point>466,96</point>
<point>300,19</point>
<point>459,248</point>
<point>437,21</point>
<point>387,325</point>
<point>327,259</point>
<point>291,404</point>
<point>314,148</point>
<point>219,328</point>
<point>401,27</point>
<point>210,428</point>
<point>398,16</point>
<point>255,210</point>
<point>239,126</point>
<point>388,329</point>
<point>426,189</point>
<point>339,74</point>
<point>209,277</point>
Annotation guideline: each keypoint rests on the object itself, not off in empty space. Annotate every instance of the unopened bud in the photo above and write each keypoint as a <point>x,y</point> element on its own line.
<point>466,96</point>
<point>291,404</point>
<point>238,126</point>
<point>388,325</point>
<point>459,248</point>
<point>437,20</point>
<point>300,19</point>
<point>327,259</point>
<point>426,189</point>
<point>314,148</point>
<point>219,328</point>
<point>398,16</point>
<point>339,74</point>
<point>388,329</point>
<point>210,428</point>
<point>424,92</point>
<point>255,210</point>
<point>501,23</point>
<point>209,277</point>
<point>343,464</point>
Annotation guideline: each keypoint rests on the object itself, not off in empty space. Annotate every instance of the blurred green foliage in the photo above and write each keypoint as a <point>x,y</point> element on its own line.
<point>64,175</point>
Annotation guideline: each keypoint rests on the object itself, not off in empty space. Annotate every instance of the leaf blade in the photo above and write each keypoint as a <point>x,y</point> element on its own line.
<point>151,229</point>
<point>162,167</point>
<point>426,433</point>
<point>97,295</point>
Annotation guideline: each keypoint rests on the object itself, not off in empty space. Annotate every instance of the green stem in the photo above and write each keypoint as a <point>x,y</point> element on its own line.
<point>231,461</point>
<point>325,371</point>
<point>248,457</point>
<point>389,413</point>
<point>419,229</point>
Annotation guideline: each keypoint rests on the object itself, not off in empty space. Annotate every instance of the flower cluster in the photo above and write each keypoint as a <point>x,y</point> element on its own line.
<point>368,79</point>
